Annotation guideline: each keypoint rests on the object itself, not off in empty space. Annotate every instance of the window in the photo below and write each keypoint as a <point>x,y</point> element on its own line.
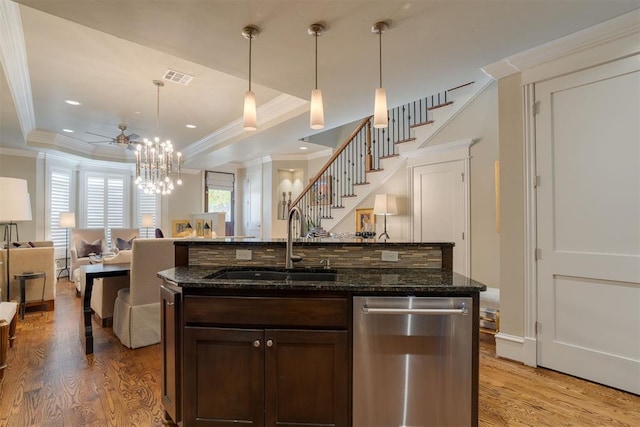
<point>59,201</point>
<point>219,195</point>
<point>105,203</point>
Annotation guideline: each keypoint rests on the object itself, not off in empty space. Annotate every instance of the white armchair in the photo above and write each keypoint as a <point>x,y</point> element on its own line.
<point>105,291</point>
<point>136,315</point>
<point>83,242</point>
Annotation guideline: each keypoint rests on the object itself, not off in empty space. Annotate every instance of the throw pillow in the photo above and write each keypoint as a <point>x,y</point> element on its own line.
<point>124,245</point>
<point>21,245</point>
<point>87,248</point>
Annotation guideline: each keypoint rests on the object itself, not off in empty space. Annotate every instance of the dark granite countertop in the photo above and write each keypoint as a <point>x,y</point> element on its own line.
<point>301,242</point>
<point>347,279</point>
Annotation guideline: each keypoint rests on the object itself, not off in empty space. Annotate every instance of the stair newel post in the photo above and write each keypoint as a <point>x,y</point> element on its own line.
<point>369,157</point>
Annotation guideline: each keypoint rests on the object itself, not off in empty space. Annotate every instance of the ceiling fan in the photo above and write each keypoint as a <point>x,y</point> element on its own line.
<point>121,139</point>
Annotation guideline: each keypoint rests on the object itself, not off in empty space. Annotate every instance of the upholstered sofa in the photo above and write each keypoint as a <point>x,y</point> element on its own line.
<point>136,314</point>
<point>23,259</point>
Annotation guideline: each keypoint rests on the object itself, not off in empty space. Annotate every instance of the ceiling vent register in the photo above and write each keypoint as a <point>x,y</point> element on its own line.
<point>177,77</point>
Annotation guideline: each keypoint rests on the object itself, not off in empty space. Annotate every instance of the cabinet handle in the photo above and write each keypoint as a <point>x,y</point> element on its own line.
<point>256,343</point>
<point>169,303</point>
<point>269,343</point>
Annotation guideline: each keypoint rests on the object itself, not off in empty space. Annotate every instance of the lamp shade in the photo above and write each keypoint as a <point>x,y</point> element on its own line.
<point>250,121</point>
<point>147,220</point>
<point>15,204</point>
<point>385,205</point>
<point>380,116</point>
<point>317,110</point>
<point>67,220</point>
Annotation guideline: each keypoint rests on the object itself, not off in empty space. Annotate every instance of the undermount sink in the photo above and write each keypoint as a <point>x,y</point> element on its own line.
<point>277,275</point>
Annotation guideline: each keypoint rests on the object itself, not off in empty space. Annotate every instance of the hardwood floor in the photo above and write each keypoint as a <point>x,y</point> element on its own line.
<point>50,382</point>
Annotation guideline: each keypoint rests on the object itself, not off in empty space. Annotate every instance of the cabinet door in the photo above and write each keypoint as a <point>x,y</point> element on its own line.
<point>171,345</point>
<point>307,381</point>
<point>223,377</point>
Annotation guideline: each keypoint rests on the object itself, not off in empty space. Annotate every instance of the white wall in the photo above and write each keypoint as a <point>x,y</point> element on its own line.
<point>27,166</point>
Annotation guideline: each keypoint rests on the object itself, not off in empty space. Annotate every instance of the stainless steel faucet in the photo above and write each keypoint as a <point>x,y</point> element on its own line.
<point>291,258</point>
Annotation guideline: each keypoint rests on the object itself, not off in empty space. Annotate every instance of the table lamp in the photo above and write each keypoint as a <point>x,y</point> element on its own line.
<point>14,206</point>
<point>385,205</point>
<point>67,220</point>
<point>147,221</point>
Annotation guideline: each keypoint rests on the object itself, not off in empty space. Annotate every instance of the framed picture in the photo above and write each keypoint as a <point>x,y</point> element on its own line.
<point>199,228</point>
<point>321,191</point>
<point>208,229</point>
<point>179,228</point>
<point>365,220</point>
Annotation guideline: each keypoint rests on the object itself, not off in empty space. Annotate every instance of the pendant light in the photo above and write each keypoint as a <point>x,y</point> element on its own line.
<point>250,119</point>
<point>380,118</point>
<point>316,118</point>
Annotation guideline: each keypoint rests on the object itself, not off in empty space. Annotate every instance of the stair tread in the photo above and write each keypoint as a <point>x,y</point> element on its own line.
<point>376,170</point>
<point>428,122</point>
<point>362,183</point>
<point>404,140</point>
<point>389,156</point>
<point>444,104</point>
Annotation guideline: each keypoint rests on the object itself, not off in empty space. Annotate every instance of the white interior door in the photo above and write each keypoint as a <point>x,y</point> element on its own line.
<point>439,208</point>
<point>253,203</point>
<point>588,224</point>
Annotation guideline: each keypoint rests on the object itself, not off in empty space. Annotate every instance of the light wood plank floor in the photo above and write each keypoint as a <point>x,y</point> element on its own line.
<point>50,382</point>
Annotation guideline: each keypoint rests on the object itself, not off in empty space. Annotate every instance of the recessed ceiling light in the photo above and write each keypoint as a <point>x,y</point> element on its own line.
<point>68,130</point>
<point>303,148</point>
<point>290,170</point>
<point>72,102</point>
<point>191,126</point>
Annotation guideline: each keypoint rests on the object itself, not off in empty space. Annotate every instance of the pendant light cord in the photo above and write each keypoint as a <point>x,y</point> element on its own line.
<point>250,40</point>
<point>158,110</point>
<point>380,38</point>
<point>315,36</point>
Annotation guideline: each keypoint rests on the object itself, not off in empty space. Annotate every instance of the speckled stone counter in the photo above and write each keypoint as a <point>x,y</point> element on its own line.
<point>354,280</point>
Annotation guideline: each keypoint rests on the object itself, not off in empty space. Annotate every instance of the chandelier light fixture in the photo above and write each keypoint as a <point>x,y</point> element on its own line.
<point>250,119</point>
<point>316,118</point>
<point>156,162</point>
<point>380,118</point>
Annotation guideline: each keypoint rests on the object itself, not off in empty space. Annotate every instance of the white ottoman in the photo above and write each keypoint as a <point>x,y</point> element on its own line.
<point>8,320</point>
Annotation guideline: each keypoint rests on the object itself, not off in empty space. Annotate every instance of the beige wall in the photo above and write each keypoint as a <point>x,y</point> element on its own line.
<point>480,120</point>
<point>26,167</point>
<point>183,201</point>
<point>510,125</point>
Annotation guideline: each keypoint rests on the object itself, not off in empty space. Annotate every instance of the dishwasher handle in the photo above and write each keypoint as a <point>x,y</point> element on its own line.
<point>463,310</point>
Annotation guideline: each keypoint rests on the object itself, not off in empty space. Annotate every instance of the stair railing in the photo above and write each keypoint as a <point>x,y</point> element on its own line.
<point>361,153</point>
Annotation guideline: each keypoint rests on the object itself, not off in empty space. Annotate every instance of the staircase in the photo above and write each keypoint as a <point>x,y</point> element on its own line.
<point>369,156</point>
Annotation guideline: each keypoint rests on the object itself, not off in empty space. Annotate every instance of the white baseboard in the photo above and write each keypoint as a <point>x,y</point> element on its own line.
<point>530,352</point>
<point>510,347</point>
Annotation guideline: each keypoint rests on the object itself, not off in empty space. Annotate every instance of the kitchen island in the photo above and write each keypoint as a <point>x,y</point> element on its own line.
<point>255,344</point>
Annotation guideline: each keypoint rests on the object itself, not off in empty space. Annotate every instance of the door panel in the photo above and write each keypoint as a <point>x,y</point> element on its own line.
<point>307,378</point>
<point>588,223</point>
<point>439,210</point>
<point>225,368</point>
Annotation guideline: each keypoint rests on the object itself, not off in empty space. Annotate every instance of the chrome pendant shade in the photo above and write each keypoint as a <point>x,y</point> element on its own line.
<point>250,116</point>
<point>156,161</point>
<point>380,117</point>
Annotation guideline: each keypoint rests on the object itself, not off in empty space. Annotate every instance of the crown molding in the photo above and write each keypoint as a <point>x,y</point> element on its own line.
<point>62,143</point>
<point>599,34</point>
<point>13,53</point>
<point>5,151</point>
<point>276,111</point>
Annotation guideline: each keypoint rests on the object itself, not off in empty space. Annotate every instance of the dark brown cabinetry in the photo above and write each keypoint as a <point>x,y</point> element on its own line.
<point>261,361</point>
<point>171,335</point>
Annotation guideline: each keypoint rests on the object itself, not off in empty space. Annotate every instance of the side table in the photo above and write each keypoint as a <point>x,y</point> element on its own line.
<point>23,277</point>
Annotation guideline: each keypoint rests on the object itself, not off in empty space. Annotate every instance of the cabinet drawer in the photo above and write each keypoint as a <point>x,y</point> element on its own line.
<point>267,312</point>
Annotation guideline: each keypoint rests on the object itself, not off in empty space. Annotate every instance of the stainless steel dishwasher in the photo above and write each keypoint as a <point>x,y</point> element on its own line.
<point>412,361</point>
